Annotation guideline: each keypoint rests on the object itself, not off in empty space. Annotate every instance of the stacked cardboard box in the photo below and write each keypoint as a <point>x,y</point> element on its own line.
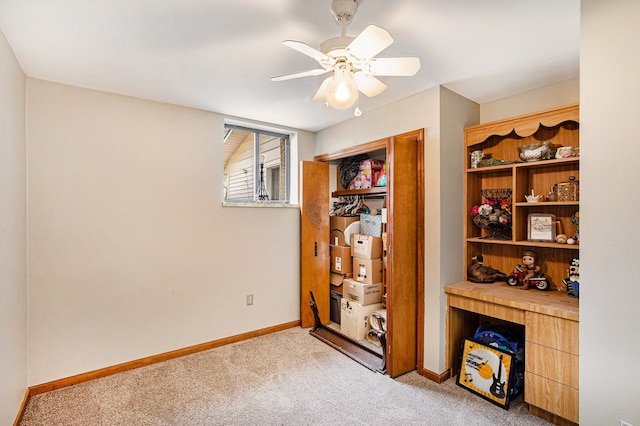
<point>340,251</point>
<point>367,258</point>
<point>362,294</point>
<point>354,318</point>
<point>341,260</point>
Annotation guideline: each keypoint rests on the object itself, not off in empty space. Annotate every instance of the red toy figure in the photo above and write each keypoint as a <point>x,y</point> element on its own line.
<point>528,273</point>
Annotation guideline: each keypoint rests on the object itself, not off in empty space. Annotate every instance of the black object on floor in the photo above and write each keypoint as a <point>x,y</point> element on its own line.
<point>354,350</point>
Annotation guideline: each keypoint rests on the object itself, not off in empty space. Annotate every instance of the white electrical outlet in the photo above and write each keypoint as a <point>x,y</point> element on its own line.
<point>249,299</point>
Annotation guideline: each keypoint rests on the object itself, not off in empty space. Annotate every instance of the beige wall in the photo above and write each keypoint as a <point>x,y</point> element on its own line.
<point>131,251</point>
<point>561,93</point>
<point>609,230</point>
<point>13,231</point>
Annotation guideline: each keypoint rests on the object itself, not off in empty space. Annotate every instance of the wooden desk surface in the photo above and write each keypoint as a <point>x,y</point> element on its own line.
<point>552,302</point>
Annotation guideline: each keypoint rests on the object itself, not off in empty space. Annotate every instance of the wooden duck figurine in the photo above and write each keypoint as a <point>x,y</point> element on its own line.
<point>479,273</point>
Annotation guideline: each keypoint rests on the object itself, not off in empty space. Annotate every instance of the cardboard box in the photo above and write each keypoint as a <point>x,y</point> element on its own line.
<point>336,281</point>
<point>366,246</point>
<point>341,261</point>
<point>354,318</point>
<point>367,271</point>
<point>362,293</point>
<point>337,227</point>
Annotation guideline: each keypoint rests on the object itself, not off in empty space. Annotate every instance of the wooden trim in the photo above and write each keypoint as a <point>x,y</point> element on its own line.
<point>23,406</point>
<point>119,368</point>
<point>523,125</point>
<point>435,377</point>
<point>420,259</point>
<point>353,150</point>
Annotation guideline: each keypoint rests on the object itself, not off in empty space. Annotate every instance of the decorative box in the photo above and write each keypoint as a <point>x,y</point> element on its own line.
<point>569,190</point>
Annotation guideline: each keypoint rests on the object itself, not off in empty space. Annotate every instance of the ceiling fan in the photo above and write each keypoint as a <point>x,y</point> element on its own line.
<point>352,61</point>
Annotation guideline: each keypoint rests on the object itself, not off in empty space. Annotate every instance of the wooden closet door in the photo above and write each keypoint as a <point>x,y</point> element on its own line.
<point>314,241</point>
<point>404,260</point>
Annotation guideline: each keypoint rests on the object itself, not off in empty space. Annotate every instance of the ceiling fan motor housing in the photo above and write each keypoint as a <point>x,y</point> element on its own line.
<point>335,46</point>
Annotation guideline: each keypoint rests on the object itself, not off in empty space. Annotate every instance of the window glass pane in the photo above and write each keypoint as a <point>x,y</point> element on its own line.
<point>256,165</point>
<point>239,166</point>
<point>273,182</point>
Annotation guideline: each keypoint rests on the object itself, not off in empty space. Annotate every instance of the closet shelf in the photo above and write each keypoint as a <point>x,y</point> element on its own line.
<point>527,243</point>
<point>376,191</point>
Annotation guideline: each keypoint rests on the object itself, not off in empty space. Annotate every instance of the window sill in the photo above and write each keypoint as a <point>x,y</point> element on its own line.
<point>258,205</point>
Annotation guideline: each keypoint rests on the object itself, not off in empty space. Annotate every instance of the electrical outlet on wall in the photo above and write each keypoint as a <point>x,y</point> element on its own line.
<point>249,299</point>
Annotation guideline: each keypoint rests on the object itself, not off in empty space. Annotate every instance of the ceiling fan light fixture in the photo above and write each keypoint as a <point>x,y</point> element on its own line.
<point>342,91</point>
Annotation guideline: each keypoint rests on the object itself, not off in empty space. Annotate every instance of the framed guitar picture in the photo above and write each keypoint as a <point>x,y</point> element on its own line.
<point>486,371</point>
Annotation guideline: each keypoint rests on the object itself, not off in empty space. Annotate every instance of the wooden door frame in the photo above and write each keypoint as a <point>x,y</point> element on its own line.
<point>418,137</point>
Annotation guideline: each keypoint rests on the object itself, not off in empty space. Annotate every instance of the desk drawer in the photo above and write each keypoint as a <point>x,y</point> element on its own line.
<point>553,364</point>
<point>553,332</point>
<point>494,310</point>
<point>551,396</point>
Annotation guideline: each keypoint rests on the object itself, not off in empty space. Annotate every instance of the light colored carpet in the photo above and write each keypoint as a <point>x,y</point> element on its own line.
<point>285,378</point>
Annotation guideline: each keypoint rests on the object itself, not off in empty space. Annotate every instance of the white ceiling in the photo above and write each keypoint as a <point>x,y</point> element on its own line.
<point>219,55</point>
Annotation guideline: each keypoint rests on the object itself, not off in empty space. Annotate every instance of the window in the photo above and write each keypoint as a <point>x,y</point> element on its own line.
<point>256,165</point>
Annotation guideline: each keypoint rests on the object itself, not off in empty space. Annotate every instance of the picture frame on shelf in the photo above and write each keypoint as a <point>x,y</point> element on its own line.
<point>486,371</point>
<point>541,227</point>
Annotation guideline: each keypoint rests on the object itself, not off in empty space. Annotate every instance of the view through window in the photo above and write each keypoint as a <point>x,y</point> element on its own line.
<point>256,165</point>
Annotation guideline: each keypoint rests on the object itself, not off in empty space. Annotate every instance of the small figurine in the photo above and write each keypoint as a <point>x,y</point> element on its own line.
<point>479,273</point>
<point>529,259</point>
<point>572,281</point>
<point>528,273</point>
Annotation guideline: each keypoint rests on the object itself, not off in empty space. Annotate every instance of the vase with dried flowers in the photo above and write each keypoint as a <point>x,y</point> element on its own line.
<point>494,214</point>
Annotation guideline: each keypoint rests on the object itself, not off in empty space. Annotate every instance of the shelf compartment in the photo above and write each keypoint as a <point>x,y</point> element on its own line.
<point>562,212</point>
<point>554,259</point>
<point>542,179</point>
<point>495,178</point>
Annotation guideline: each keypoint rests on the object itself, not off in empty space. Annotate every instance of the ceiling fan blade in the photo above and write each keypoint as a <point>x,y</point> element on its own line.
<point>322,90</point>
<point>371,41</point>
<point>308,50</point>
<point>369,85</point>
<point>393,66</point>
<point>316,71</point>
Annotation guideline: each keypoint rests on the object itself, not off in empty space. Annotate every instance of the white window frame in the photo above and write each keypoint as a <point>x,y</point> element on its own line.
<point>291,197</point>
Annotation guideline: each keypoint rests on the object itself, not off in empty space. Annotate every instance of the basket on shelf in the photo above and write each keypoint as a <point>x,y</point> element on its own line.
<point>494,214</point>
<point>537,151</point>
